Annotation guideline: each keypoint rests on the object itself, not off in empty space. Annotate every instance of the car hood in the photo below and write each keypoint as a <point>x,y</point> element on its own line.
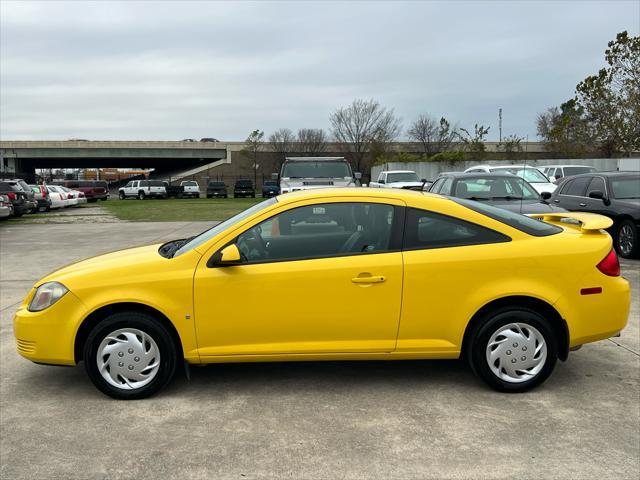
<point>544,187</point>
<point>131,259</point>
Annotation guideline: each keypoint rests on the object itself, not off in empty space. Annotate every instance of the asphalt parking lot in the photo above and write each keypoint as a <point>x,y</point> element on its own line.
<point>418,419</point>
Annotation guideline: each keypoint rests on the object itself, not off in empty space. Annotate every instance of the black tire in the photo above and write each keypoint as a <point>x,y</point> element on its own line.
<point>47,208</point>
<point>141,195</point>
<point>121,196</point>
<point>151,327</point>
<point>626,239</point>
<point>489,325</point>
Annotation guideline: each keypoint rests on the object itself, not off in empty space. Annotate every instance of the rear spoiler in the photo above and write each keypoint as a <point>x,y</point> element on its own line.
<point>588,222</point>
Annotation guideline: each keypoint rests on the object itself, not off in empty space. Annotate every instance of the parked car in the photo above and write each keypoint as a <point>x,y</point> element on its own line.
<point>93,190</point>
<point>534,176</point>
<point>208,139</point>
<point>305,173</point>
<point>216,189</point>
<point>75,196</point>
<point>363,270</point>
<point>57,196</point>
<point>556,172</point>
<point>16,196</point>
<point>500,189</point>
<point>173,191</point>
<point>41,196</point>
<point>191,188</point>
<point>6,207</point>
<point>613,194</point>
<point>270,188</point>
<point>407,179</point>
<point>243,188</point>
<point>31,199</point>
<point>142,189</point>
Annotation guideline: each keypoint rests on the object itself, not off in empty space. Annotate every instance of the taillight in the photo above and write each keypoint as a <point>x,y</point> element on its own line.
<point>12,196</point>
<point>610,265</point>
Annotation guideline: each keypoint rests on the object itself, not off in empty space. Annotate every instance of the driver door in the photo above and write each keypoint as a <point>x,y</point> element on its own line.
<point>319,279</point>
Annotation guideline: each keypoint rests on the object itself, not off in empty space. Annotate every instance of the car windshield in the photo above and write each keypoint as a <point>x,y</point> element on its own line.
<point>569,171</point>
<point>402,177</point>
<point>244,184</point>
<point>488,188</point>
<point>626,188</point>
<point>216,184</point>
<point>317,169</point>
<point>190,184</point>
<point>531,175</point>
<point>209,234</point>
<point>270,183</point>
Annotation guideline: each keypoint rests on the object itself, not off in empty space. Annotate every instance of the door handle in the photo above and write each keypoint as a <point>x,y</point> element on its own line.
<point>557,201</point>
<point>369,279</point>
<point>583,204</point>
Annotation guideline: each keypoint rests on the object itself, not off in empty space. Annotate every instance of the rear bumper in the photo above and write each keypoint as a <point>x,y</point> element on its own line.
<point>595,317</point>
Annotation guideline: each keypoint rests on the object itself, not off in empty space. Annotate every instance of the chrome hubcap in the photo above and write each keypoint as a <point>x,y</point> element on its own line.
<point>625,239</point>
<point>128,358</point>
<point>516,352</point>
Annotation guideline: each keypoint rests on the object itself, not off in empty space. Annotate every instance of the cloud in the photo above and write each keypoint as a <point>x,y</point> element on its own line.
<point>170,70</point>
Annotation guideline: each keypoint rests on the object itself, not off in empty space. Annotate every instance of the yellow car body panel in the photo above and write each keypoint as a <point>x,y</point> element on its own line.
<point>312,309</point>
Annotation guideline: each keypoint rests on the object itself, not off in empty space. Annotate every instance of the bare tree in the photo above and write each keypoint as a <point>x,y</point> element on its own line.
<point>254,144</point>
<point>435,136</point>
<point>282,142</point>
<point>474,143</point>
<point>312,141</point>
<point>363,125</point>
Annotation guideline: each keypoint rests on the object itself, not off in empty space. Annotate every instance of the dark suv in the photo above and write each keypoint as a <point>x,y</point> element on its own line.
<point>18,197</point>
<point>613,194</point>
<point>244,188</point>
<point>270,188</point>
<point>216,189</point>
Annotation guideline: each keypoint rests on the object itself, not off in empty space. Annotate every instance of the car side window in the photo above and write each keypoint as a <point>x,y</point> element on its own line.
<point>425,230</point>
<point>446,186</point>
<point>597,184</point>
<point>435,188</point>
<point>577,187</point>
<point>320,230</point>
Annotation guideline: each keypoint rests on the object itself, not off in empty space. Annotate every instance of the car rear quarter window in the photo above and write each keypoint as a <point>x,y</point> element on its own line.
<point>425,229</point>
<point>523,223</point>
<point>576,187</point>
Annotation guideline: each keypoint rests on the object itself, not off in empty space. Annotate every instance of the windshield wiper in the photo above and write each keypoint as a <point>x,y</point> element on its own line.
<point>478,198</point>
<point>507,197</point>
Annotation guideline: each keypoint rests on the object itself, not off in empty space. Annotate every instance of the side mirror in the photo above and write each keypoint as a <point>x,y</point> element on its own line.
<point>357,175</point>
<point>229,255</point>
<point>558,177</point>
<point>381,181</point>
<point>598,194</point>
<point>423,180</point>
<point>545,195</point>
<point>274,176</point>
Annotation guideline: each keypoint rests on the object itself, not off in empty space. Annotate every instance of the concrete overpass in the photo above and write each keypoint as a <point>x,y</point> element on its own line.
<point>26,156</point>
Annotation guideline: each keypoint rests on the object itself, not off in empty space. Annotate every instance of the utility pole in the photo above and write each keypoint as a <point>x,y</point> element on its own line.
<point>500,123</point>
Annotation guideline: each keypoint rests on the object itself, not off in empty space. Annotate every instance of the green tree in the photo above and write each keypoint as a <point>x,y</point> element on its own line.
<point>611,98</point>
<point>565,130</point>
<point>254,144</point>
<point>474,143</point>
<point>511,144</point>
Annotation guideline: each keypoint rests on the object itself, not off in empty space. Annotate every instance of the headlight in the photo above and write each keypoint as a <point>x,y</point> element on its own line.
<point>46,295</point>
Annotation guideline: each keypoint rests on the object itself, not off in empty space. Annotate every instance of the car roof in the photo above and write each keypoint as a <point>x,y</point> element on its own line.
<point>562,165</point>
<point>623,173</point>
<point>478,175</point>
<point>392,193</point>
<point>399,171</point>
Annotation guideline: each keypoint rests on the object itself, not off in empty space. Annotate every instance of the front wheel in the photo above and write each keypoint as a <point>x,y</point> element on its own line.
<point>130,355</point>
<point>513,350</point>
<point>121,196</point>
<point>626,240</point>
<point>141,196</point>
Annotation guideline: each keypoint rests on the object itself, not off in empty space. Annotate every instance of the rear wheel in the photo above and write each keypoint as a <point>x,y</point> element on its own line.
<point>513,350</point>
<point>626,240</point>
<point>130,355</point>
<point>141,195</point>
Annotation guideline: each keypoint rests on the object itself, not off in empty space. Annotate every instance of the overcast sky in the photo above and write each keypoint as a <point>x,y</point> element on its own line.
<point>172,70</point>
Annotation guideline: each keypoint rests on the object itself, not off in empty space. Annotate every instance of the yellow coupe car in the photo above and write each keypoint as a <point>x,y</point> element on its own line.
<point>358,274</point>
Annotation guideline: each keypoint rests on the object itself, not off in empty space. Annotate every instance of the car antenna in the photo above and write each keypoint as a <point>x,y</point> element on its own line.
<point>524,171</point>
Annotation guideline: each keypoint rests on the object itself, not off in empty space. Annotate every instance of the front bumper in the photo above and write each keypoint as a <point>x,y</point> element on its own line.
<point>48,336</point>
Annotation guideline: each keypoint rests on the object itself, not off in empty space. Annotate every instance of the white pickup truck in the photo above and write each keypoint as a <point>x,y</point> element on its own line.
<point>191,188</point>
<point>407,179</point>
<point>142,189</point>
